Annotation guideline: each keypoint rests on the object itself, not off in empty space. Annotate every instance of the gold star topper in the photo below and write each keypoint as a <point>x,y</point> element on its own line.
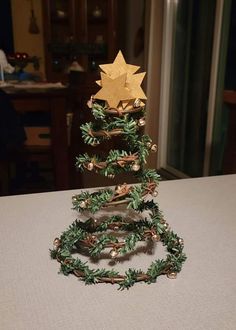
<point>113,90</point>
<point>119,83</point>
<point>118,67</point>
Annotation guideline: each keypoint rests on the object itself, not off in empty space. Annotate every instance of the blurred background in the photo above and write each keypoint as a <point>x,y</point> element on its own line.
<point>187,48</point>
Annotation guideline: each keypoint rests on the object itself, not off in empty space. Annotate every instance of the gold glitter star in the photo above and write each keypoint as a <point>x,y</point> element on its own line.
<point>113,90</point>
<point>133,84</point>
<point>119,67</point>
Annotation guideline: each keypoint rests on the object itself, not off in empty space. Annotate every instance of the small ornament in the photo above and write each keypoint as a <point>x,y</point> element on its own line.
<point>113,253</point>
<point>156,237</point>
<point>82,205</point>
<point>94,144</point>
<point>154,148</point>
<point>74,199</point>
<point>141,122</point>
<point>181,241</point>
<point>155,194</point>
<point>136,167</point>
<point>172,275</point>
<point>116,228</point>
<point>119,189</point>
<point>137,103</point>
<point>149,144</point>
<point>90,104</point>
<point>90,166</point>
<point>93,237</point>
<point>166,225</point>
<point>97,12</point>
<point>56,242</point>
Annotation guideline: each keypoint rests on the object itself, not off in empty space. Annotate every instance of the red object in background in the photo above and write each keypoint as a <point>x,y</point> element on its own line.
<point>20,56</point>
<point>21,60</point>
<point>24,55</point>
<point>17,55</point>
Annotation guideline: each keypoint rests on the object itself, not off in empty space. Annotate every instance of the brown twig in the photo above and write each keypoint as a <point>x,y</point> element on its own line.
<point>114,132</point>
<point>121,161</point>
<point>115,111</point>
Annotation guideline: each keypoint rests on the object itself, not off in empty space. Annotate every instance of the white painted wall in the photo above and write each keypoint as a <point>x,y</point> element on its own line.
<point>154,27</point>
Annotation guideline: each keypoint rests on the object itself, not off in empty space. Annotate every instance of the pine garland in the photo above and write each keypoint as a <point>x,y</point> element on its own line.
<point>132,196</point>
<point>96,237</point>
<point>139,231</point>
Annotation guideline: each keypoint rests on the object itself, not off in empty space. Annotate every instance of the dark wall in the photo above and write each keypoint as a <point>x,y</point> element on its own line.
<point>230,75</point>
<point>6,33</point>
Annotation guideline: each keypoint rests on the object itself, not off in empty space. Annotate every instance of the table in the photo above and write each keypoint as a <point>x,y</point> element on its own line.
<point>51,100</point>
<point>34,296</point>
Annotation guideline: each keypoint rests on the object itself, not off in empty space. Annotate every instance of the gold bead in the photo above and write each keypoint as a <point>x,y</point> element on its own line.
<point>82,205</point>
<point>141,122</point>
<point>74,199</point>
<point>56,242</point>
<point>119,189</point>
<point>94,144</point>
<point>113,253</point>
<point>155,194</point>
<point>90,166</point>
<point>181,241</point>
<point>90,103</point>
<point>166,225</point>
<point>136,167</point>
<point>116,228</point>
<point>154,148</point>
<point>149,145</point>
<point>172,275</point>
<point>156,237</point>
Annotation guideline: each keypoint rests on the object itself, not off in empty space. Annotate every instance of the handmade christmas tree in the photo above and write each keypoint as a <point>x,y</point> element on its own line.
<point>119,110</point>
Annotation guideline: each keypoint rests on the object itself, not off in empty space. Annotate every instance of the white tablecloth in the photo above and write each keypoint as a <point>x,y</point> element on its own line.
<point>34,296</point>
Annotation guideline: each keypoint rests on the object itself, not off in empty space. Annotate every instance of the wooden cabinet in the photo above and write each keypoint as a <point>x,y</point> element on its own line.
<point>78,30</point>
<point>37,103</point>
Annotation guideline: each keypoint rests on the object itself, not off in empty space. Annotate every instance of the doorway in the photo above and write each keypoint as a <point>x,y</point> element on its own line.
<point>195,35</point>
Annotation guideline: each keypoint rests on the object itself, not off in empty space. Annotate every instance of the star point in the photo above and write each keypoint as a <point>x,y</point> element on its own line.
<point>133,83</point>
<point>119,67</point>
